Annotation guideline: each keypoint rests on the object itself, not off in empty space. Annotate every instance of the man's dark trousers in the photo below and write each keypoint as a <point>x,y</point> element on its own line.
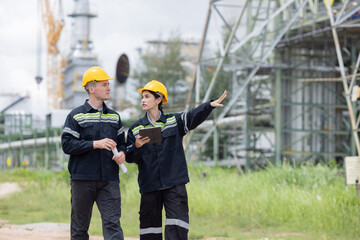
<point>106,194</point>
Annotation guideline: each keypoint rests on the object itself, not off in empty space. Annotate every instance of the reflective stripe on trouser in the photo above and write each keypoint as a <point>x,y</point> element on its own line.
<point>106,194</point>
<point>175,201</point>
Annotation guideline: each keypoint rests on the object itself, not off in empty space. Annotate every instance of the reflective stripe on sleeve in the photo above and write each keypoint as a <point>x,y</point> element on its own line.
<point>121,131</point>
<point>72,132</point>
<point>184,119</point>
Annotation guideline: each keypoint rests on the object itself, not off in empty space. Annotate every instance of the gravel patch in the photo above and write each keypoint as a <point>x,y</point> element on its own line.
<point>7,188</point>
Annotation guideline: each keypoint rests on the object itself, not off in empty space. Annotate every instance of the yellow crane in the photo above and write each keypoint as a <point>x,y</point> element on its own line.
<point>53,22</point>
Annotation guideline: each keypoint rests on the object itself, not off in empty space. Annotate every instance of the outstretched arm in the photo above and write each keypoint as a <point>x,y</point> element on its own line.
<point>193,118</point>
<point>217,103</point>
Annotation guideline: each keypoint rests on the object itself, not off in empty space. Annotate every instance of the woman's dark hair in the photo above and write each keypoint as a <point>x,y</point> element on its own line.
<point>157,95</point>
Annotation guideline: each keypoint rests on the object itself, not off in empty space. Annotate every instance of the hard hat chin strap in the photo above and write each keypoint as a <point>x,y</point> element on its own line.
<point>160,95</point>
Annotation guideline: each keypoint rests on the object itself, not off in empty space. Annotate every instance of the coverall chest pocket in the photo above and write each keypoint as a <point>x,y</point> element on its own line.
<point>169,138</point>
<point>87,131</point>
<point>171,132</point>
<point>110,131</point>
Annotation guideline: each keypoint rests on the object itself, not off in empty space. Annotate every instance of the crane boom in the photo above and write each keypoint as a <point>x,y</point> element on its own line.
<point>52,15</point>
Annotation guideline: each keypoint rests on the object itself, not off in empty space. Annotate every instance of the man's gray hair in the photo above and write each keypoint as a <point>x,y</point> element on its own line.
<point>89,84</point>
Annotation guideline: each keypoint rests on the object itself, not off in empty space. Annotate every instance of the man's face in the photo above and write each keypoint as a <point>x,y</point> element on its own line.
<point>101,90</point>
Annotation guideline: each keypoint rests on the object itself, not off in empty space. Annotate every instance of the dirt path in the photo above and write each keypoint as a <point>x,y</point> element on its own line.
<point>39,231</point>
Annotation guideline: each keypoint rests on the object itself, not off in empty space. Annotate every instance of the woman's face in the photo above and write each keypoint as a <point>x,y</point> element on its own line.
<point>148,101</point>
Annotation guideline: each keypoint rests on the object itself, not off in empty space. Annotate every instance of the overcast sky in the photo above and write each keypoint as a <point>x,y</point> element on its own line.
<point>121,27</point>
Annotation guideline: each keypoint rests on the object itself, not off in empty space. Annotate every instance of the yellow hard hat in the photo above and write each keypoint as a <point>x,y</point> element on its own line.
<point>155,86</point>
<point>95,74</point>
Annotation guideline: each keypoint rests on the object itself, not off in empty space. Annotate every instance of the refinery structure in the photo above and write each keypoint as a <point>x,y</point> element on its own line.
<point>290,68</point>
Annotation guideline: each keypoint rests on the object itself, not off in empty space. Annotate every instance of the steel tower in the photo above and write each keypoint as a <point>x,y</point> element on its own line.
<point>81,56</point>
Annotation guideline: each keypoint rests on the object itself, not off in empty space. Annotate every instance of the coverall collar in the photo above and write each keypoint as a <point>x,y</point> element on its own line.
<point>145,120</point>
<point>89,108</point>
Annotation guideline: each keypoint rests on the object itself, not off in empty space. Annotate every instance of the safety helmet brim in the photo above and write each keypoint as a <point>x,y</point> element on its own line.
<point>95,73</point>
<point>98,80</point>
<point>140,90</point>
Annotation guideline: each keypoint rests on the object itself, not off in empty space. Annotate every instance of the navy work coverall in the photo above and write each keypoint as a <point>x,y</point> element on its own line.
<point>94,175</point>
<point>163,173</point>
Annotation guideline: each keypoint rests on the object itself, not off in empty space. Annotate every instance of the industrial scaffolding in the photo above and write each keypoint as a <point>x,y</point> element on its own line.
<point>293,65</point>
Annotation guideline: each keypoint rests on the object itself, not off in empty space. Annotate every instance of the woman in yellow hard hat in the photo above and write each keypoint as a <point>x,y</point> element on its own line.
<point>162,165</point>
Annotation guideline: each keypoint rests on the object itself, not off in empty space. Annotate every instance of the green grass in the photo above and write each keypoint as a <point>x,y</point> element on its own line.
<point>304,202</point>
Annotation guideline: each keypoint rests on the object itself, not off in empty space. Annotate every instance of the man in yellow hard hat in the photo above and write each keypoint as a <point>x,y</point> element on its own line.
<point>91,132</point>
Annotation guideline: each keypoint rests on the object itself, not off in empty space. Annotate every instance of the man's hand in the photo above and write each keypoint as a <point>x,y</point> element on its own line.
<point>140,141</point>
<point>105,143</point>
<point>217,103</point>
<point>120,158</point>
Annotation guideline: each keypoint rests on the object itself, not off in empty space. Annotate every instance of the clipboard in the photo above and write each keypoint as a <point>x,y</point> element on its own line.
<point>153,133</point>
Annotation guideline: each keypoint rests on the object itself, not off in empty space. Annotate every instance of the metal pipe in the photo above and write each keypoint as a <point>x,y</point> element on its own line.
<point>30,143</point>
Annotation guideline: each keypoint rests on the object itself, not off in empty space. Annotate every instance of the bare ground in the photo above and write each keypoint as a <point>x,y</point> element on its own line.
<point>39,231</point>
<point>36,231</point>
<point>7,188</point>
